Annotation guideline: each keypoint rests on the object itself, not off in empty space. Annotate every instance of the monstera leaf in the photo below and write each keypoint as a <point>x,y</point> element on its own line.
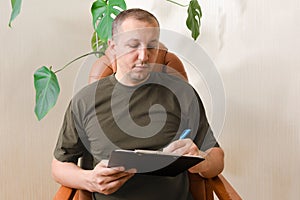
<point>103,12</point>
<point>98,45</point>
<point>47,90</point>
<point>193,21</point>
<point>16,8</point>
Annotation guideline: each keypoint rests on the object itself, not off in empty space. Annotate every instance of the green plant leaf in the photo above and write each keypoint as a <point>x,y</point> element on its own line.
<point>193,20</point>
<point>98,45</point>
<point>103,12</point>
<point>16,8</point>
<point>47,91</point>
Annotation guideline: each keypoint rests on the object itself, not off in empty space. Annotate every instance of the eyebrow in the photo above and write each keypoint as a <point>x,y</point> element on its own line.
<point>154,40</point>
<point>137,40</point>
<point>133,40</point>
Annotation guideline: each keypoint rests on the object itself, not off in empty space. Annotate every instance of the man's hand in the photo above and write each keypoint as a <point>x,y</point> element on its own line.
<point>183,147</point>
<point>214,157</point>
<point>108,180</point>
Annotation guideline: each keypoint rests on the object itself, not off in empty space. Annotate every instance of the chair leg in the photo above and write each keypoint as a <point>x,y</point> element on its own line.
<point>197,187</point>
<point>209,191</point>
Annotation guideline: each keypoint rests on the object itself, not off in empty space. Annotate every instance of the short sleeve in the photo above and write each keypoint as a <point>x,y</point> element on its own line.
<point>69,146</point>
<point>204,137</point>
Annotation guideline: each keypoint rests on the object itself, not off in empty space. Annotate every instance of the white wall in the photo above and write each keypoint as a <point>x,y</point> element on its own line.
<point>45,33</point>
<point>254,45</point>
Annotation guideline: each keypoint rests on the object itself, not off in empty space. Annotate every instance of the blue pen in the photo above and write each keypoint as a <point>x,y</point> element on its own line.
<point>185,133</point>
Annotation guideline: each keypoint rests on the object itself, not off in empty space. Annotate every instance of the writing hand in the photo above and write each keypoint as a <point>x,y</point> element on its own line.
<point>108,180</point>
<point>185,147</point>
<point>182,147</point>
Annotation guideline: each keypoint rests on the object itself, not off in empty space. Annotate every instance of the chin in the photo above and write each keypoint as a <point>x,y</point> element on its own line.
<point>140,76</point>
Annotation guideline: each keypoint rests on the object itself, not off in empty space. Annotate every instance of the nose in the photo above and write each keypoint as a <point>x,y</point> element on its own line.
<point>143,54</point>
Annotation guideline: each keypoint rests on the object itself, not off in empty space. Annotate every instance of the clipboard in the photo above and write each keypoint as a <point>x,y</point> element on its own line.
<point>153,162</point>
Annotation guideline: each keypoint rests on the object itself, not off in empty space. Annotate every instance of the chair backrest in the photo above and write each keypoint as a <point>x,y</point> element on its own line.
<point>166,60</point>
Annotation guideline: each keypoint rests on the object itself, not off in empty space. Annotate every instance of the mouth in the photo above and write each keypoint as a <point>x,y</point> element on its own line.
<point>143,66</point>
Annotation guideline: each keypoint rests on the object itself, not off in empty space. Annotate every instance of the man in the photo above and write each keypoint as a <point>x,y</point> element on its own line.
<point>134,109</point>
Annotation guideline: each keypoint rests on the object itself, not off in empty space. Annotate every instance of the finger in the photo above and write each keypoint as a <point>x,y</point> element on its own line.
<point>172,147</point>
<point>194,169</point>
<point>103,166</point>
<point>113,186</point>
<point>112,171</point>
<point>116,184</point>
<point>117,177</point>
<point>131,171</point>
<point>116,172</point>
<point>190,149</point>
<point>183,147</point>
<point>104,163</point>
<point>124,178</point>
<point>178,146</point>
<point>193,151</point>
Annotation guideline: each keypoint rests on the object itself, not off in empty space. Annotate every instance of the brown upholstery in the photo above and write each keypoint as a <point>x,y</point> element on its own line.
<point>201,188</point>
<point>164,57</point>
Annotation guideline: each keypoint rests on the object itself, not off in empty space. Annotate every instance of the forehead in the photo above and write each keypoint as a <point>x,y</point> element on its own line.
<point>130,24</point>
<point>140,30</point>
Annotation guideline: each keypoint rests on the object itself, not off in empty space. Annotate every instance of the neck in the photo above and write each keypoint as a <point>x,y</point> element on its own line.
<point>128,81</point>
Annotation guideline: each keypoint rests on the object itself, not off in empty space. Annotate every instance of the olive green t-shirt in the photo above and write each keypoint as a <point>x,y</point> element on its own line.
<point>107,115</point>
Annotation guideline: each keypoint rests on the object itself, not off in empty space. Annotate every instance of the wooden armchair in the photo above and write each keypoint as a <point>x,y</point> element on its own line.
<point>201,188</point>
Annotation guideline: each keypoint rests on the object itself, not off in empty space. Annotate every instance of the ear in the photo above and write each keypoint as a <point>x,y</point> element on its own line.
<point>111,48</point>
<point>111,44</point>
<point>110,52</point>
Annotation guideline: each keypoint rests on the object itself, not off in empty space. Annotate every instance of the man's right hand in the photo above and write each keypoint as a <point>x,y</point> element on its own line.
<point>108,180</point>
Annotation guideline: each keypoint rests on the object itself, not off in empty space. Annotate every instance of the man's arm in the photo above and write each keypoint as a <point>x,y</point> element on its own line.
<point>214,157</point>
<point>101,179</point>
<point>212,165</point>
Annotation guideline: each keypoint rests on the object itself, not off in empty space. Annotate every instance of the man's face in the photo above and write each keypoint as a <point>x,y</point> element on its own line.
<point>136,48</point>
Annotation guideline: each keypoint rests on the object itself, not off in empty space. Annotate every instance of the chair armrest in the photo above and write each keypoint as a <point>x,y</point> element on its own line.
<point>204,188</point>
<point>222,188</point>
<point>65,193</point>
<point>201,189</point>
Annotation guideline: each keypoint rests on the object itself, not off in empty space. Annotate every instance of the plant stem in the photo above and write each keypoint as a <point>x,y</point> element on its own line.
<point>90,53</point>
<point>177,3</point>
